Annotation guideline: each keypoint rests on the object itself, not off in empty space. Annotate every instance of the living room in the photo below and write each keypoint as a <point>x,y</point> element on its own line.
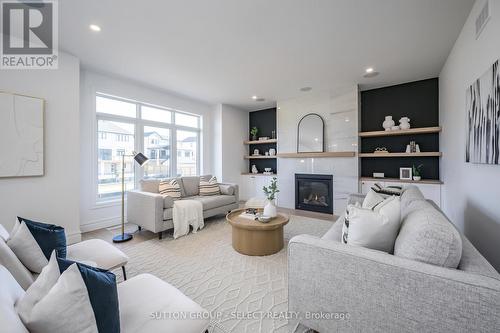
<point>250,166</point>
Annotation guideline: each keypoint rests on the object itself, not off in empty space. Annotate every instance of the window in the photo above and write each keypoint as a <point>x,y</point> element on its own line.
<point>110,158</point>
<point>115,107</point>
<point>187,145</point>
<point>169,138</point>
<point>157,149</point>
<point>156,114</point>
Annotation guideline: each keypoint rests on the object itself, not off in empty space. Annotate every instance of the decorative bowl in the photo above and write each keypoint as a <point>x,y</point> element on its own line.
<point>263,219</point>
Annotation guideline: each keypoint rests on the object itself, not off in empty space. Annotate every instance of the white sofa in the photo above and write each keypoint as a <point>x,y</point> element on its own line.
<point>147,304</point>
<point>152,211</point>
<point>94,252</point>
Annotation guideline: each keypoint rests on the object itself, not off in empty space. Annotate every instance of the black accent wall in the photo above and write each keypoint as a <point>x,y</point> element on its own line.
<point>265,121</point>
<point>418,101</point>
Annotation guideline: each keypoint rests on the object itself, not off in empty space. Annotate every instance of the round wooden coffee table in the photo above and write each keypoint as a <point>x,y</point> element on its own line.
<point>255,238</point>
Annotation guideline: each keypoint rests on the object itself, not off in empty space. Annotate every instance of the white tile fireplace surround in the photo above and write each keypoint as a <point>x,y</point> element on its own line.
<point>340,114</point>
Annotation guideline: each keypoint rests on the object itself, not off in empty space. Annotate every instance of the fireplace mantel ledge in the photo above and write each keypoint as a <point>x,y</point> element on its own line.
<point>318,155</point>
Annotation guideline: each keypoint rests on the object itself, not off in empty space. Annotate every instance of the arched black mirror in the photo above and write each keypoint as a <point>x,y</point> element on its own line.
<point>310,134</point>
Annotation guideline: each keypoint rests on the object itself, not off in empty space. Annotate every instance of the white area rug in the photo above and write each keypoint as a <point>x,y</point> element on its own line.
<point>205,267</point>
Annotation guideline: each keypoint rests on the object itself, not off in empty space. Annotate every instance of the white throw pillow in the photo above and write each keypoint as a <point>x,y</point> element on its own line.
<point>65,308</point>
<point>375,229</point>
<point>42,285</point>
<point>210,187</point>
<point>372,199</point>
<point>24,245</point>
<point>345,224</point>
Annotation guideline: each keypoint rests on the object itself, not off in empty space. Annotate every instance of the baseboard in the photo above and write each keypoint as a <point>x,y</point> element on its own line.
<point>100,224</point>
<point>74,238</point>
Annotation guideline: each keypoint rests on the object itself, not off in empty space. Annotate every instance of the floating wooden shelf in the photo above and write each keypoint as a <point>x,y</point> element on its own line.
<point>318,155</point>
<point>258,157</point>
<point>422,130</point>
<point>396,180</point>
<point>258,174</point>
<point>260,142</point>
<point>427,154</point>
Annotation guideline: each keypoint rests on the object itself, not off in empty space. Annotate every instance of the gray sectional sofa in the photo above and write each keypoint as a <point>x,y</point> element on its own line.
<point>342,288</point>
<point>150,210</point>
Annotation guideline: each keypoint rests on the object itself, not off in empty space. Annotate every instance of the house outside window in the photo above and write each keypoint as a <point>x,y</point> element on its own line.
<point>169,138</point>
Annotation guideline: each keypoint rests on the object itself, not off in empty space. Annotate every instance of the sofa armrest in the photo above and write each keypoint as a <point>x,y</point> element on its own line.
<point>377,291</point>
<point>225,188</point>
<point>145,209</point>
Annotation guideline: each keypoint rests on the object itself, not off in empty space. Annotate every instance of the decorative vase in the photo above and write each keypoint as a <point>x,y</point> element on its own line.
<point>270,209</point>
<point>404,123</point>
<point>254,169</point>
<point>254,137</point>
<point>417,178</point>
<point>388,123</point>
<point>272,151</point>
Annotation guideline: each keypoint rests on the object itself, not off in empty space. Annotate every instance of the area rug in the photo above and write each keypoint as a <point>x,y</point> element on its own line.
<point>243,293</point>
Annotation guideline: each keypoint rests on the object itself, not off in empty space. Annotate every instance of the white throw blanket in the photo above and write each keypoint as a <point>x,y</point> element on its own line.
<point>186,213</point>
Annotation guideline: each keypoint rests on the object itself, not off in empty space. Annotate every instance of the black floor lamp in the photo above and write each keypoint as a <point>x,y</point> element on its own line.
<point>141,160</point>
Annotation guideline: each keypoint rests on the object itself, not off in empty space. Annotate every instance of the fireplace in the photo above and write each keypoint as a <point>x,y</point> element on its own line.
<point>314,193</point>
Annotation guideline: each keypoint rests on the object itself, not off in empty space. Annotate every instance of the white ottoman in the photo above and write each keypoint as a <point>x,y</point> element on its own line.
<point>149,305</point>
<point>102,253</point>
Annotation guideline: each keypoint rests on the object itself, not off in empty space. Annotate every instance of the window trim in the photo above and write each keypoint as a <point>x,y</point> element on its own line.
<point>139,125</point>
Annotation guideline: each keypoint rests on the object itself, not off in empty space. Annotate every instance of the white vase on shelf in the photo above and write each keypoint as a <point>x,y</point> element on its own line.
<point>270,209</point>
<point>404,123</point>
<point>254,169</point>
<point>388,123</point>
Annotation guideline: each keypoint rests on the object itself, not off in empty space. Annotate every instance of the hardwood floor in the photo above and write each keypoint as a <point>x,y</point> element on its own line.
<point>107,234</point>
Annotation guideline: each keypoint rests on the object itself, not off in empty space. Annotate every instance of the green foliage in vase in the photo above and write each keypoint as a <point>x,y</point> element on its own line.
<point>271,190</point>
<point>254,131</point>
<point>417,170</point>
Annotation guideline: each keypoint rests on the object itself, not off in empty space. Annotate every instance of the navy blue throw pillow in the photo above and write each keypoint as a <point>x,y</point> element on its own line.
<point>49,237</point>
<point>101,286</point>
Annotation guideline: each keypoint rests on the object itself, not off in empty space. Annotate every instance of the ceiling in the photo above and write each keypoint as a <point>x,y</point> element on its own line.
<point>226,51</point>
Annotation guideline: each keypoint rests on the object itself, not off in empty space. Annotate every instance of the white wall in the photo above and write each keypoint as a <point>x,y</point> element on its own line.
<point>471,192</point>
<point>53,198</point>
<point>230,129</point>
<point>340,114</point>
<point>98,216</point>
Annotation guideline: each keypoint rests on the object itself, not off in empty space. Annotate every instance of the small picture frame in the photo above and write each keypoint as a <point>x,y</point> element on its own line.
<point>405,173</point>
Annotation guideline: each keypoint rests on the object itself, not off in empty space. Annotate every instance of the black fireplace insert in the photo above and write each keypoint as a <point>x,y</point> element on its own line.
<point>314,192</point>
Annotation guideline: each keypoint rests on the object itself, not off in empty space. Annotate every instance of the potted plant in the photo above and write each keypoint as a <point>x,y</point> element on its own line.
<point>254,131</point>
<point>270,192</point>
<point>417,172</point>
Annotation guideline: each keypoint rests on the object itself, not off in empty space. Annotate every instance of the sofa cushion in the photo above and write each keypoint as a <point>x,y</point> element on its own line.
<point>148,304</point>
<point>214,201</point>
<point>150,185</point>
<point>11,262</point>
<point>374,229</point>
<point>335,232</point>
<point>49,237</point>
<point>26,248</point>
<point>190,186</point>
<point>10,293</point>
<point>410,194</point>
<point>65,308</point>
<point>427,236</point>
<point>210,187</point>
<point>227,189</point>
<point>170,188</point>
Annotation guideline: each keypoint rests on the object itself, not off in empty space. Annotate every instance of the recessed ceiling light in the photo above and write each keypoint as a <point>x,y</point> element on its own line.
<point>254,97</point>
<point>95,27</point>
<point>371,74</point>
<point>306,89</point>
<point>369,70</point>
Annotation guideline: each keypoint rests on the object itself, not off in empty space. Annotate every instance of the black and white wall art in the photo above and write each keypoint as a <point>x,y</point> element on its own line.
<point>483,119</point>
